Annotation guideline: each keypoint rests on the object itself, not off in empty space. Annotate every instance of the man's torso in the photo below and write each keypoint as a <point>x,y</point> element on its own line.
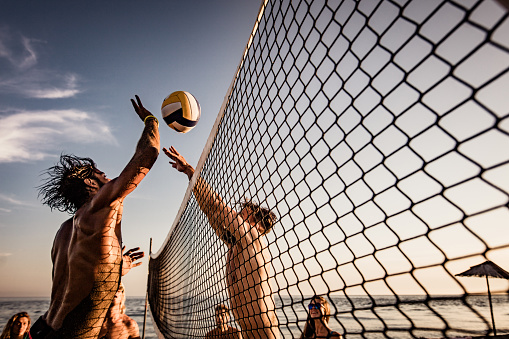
<point>248,272</point>
<point>86,269</point>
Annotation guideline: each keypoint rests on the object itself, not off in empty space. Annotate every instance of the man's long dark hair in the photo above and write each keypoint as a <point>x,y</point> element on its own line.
<point>64,188</point>
<point>262,215</point>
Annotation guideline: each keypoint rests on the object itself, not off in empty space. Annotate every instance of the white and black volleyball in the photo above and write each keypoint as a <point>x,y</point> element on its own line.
<point>181,111</point>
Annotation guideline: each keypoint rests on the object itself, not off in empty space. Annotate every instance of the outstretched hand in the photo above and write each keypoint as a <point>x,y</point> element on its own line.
<point>138,107</point>
<point>179,162</point>
<point>129,257</point>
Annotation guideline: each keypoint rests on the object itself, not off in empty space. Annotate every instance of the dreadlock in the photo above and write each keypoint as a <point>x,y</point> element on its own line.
<point>262,215</point>
<point>65,189</point>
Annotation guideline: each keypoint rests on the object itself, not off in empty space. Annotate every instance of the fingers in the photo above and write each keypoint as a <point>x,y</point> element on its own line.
<point>137,255</point>
<point>139,102</point>
<point>172,154</point>
<point>134,255</point>
<point>136,108</point>
<point>137,105</point>
<point>131,250</point>
<point>140,110</point>
<point>173,150</point>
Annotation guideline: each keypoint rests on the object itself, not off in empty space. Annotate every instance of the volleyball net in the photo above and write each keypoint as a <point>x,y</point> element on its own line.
<point>377,131</point>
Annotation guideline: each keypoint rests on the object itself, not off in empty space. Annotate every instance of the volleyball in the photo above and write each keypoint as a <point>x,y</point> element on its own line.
<point>181,111</point>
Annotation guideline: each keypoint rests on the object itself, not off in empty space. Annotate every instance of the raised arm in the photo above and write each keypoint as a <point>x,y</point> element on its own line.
<point>144,157</point>
<point>223,219</point>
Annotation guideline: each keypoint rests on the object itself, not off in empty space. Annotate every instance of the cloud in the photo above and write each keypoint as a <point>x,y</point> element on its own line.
<point>11,200</point>
<point>13,204</point>
<point>31,135</point>
<point>5,254</point>
<point>22,76</point>
<point>42,85</point>
<point>18,50</point>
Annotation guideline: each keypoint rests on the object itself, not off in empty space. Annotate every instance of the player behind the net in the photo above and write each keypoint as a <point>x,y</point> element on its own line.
<point>248,258</point>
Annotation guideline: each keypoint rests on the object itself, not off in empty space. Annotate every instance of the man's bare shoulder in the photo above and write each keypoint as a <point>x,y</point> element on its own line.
<point>65,229</point>
<point>95,215</point>
<point>63,236</point>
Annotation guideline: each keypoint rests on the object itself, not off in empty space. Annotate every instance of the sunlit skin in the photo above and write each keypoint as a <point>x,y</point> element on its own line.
<point>248,259</point>
<point>87,251</point>
<point>118,325</point>
<point>19,327</point>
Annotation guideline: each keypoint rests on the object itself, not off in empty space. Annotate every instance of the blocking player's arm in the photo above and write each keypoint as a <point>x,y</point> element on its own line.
<point>223,219</point>
<point>144,157</point>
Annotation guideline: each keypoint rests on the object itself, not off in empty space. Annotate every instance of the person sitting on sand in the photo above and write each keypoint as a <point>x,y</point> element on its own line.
<point>318,320</point>
<point>18,327</point>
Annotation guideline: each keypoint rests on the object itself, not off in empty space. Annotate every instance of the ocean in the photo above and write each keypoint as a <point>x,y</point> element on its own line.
<point>37,306</point>
<point>365,318</point>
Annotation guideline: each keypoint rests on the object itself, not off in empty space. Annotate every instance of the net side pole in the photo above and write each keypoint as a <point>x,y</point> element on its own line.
<point>146,293</point>
<point>213,133</point>
<point>156,329</point>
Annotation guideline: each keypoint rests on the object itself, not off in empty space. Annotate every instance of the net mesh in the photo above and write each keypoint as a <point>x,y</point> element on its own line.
<point>377,131</point>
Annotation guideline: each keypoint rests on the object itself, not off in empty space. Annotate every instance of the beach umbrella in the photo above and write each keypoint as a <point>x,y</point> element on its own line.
<point>487,269</point>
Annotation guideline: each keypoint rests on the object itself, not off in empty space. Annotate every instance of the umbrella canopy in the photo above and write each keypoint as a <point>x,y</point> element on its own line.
<point>486,269</point>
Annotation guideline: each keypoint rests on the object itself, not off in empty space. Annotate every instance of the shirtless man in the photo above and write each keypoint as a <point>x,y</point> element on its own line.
<point>248,260</point>
<point>87,250</point>
<point>117,324</point>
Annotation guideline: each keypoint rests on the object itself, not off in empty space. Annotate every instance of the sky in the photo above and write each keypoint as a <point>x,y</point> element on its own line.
<point>67,73</point>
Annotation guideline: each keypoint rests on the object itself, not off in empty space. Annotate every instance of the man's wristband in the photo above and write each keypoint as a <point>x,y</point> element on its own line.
<point>151,117</point>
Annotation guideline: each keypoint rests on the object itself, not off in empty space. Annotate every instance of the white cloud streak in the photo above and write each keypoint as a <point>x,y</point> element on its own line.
<point>18,51</point>
<point>11,200</point>
<point>42,85</point>
<point>23,76</point>
<point>31,135</point>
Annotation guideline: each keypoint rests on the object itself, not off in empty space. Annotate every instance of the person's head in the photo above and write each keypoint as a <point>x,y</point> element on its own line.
<point>319,308</point>
<point>222,314</point>
<point>71,183</point>
<point>18,325</point>
<point>262,217</point>
<point>318,311</point>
